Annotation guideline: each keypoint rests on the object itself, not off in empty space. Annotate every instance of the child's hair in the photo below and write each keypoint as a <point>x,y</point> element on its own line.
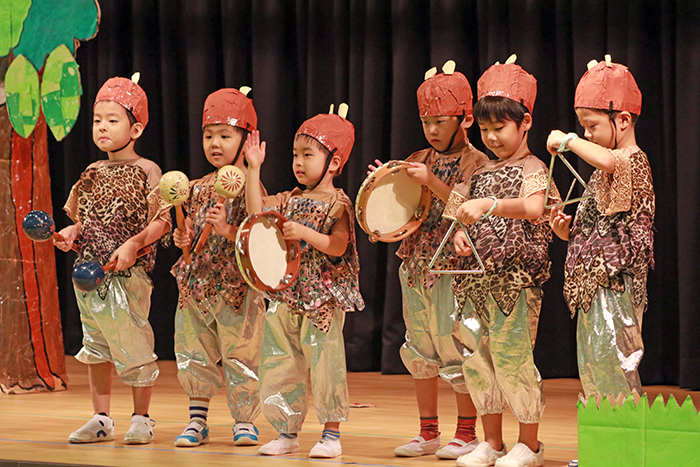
<point>130,116</point>
<point>612,113</point>
<point>500,109</point>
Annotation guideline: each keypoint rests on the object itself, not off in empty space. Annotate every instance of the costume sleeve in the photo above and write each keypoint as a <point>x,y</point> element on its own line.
<point>535,174</point>
<point>158,207</point>
<point>613,191</point>
<point>276,202</point>
<point>72,203</point>
<point>458,195</point>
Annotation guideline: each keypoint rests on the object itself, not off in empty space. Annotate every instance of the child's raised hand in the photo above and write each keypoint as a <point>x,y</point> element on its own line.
<point>216,216</point>
<point>419,173</point>
<point>294,231</point>
<point>254,150</point>
<point>560,223</point>
<point>125,255</point>
<point>462,244</point>
<point>471,211</point>
<point>69,235</point>
<point>554,141</point>
<point>371,168</point>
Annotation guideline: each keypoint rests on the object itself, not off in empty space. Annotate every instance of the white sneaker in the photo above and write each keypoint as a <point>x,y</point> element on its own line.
<point>245,434</point>
<point>522,456</point>
<point>418,446</point>
<point>140,431</point>
<point>196,433</point>
<point>457,447</point>
<point>98,428</point>
<point>483,456</point>
<point>326,448</point>
<point>280,446</point>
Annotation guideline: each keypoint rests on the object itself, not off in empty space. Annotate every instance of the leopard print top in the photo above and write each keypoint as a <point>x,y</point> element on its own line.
<point>213,273</point>
<point>324,282</point>
<point>115,201</point>
<point>514,251</point>
<point>417,250</point>
<point>612,233</point>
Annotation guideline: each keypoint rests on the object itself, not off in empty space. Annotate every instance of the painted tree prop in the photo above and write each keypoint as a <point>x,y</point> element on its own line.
<point>33,358</point>
<point>638,435</point>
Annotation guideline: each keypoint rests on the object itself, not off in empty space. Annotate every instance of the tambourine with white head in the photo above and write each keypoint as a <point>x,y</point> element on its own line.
<point>390,205</point>
<point>267,261</point>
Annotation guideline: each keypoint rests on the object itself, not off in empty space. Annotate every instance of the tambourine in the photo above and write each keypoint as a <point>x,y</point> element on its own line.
<point>390,205</point>
<point>267,261</point>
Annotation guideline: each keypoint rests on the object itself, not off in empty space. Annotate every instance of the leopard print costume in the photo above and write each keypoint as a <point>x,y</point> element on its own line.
<point>612,233</point>
<point>114,202</point>
<point>514,251</point>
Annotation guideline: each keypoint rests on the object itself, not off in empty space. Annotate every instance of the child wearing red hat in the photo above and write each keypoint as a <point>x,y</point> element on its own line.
<point>503,208</point>
<point>430,353</point>
<point>219,317</point>
<point>304,323</point>
<point>611,239</point>
<point>117,210</point>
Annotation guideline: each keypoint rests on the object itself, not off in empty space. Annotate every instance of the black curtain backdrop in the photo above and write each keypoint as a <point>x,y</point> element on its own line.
<point>301,56</point>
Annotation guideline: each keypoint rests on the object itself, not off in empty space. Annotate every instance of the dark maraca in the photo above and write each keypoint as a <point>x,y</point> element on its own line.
<point>39,227</point>
<point>89,275</point>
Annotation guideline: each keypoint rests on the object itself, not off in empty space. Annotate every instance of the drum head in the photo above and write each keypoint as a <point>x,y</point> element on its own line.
<point>268,252</point>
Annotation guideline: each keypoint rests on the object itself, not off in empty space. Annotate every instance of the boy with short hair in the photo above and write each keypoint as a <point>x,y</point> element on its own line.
<point>304,323</point>
<point>219,317</point>
<point>117,210</point>
<point>611,239</point>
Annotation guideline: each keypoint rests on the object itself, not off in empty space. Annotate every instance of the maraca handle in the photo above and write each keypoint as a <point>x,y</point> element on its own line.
<point>181,225</point>
<point>205,233</point>
<point>60,238</point>
<point>143,251</point>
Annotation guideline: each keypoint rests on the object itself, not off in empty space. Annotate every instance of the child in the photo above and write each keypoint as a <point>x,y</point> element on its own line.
<point>304,323</point>
<point>611,240</point>
<point>445,109</point>
<point>504,207</point>
<point>219,318</point>
<point>116,210</point>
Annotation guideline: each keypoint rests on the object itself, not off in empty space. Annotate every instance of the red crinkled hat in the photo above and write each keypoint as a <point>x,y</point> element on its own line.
<point>230,106</point>
<point>511,81</point>
<point>446,93</point>
<point>608,86</point>
<point>128,94</point>
<point>334,132</point>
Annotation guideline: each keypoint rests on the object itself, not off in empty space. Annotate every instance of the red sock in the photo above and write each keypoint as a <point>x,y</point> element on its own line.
<point>429,428</point>
<point>466,429</point>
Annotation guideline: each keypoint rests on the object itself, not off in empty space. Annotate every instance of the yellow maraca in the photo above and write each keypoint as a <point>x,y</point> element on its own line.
<point>175,188</point>
<point>229,183</point>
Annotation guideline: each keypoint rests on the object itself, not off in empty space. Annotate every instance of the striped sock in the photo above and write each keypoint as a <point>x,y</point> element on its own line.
<point>330,435</point>
<point>429,428</point>
<point>199,411</point>
<point>466,429</point>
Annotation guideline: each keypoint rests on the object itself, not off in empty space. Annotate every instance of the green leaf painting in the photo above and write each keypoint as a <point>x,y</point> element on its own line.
<point>22,91</point>
<point>51,23</point>
<point>60,91</point>
<point>12,16</point>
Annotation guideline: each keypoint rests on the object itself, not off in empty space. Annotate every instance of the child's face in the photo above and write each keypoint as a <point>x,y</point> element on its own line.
<point>439,130</point>
<point>504,138</point>
<point>597,127</point>
<point>220,143</point>
<point>309,162</point>
<point>111,129</point>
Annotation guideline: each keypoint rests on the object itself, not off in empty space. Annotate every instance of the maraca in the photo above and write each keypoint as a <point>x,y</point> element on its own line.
<point>39,227</point>
<point>229,183</point>
<point>89,275</point>
<point>175,188</point>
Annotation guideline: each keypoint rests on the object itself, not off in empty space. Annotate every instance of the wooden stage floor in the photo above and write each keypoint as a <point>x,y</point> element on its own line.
<point>34,427</point>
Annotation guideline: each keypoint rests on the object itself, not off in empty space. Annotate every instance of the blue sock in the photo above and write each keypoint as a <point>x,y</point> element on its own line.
<point>199,410</point>
<point>330,435</point>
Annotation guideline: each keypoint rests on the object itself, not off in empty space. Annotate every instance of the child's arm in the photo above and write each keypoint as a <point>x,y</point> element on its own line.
<point>69,235</point>
<point>333,244</point>
<point>599,157</point>
<point>183,239</point>
<point>125,255</point>
<point>560,223</point>
<point>255,155</point>
<point>217,218</point>
<point>461,244</point>
<point>420,173</point>
<point>531,208</point>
